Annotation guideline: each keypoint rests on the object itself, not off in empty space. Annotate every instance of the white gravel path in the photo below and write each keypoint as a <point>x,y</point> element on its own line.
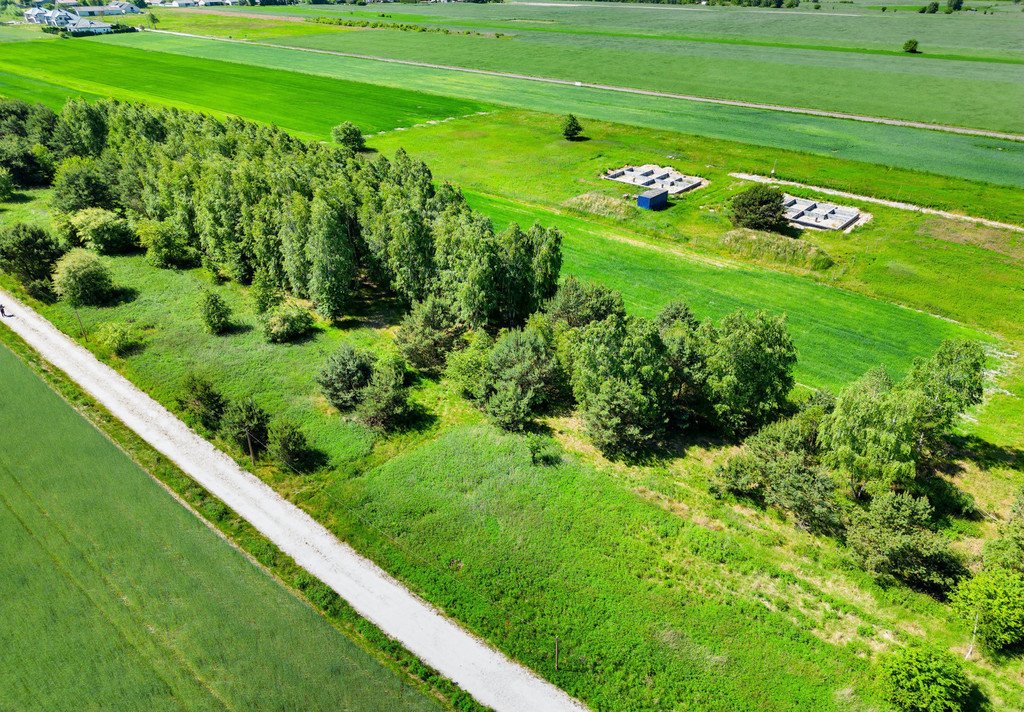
<point>881,201</point>
<point>488,675</point>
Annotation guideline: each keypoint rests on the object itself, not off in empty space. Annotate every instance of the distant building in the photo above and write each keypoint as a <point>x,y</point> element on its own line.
<point>651,176</point>
<point>84,26</point>
<point>50,18</point>
<point>181,3</point>
<point>98,10</point>
<point>653,199</point>
<point>126,8</point>
<point>820,216</point>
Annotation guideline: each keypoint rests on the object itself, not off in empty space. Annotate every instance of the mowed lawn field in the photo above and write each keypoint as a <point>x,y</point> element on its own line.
<point>116,597</point>
<point>949,89</point>
<point>304,104</point>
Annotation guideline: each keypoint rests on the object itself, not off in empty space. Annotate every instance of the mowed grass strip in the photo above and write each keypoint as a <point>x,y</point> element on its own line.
<point>117,597</point>
<point>969,157</point>
<point>303,103</point>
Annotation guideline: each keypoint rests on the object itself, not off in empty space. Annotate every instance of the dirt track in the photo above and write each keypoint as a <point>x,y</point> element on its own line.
<point>493,679</point>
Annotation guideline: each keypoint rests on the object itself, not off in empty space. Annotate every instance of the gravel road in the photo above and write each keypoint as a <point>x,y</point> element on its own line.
<point>488,675</point>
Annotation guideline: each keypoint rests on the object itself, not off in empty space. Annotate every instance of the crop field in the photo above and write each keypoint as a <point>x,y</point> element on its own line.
<point>846,26</point>
<point>891,84</point>
<point>306,104</point>
<point>116,595</point>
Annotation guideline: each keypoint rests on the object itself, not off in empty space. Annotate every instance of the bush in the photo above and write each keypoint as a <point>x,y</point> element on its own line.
<point>119,339</point>
<point>166,245</point>
<point>759,207</point>
<point>202,402</point>
<point>80,183</point>
<point>349,135</point>
<point>345,375</point>
<point>289,446</point>
<point>892,539</point>
<point>921,678</point>
<point>427,334</point>
<point>81,279</point>
<point>622,381</point>
<point>993,604</point>
<point>28,252</point>
<point>102,231</point>
<point>216,313</point>
<point>264,292</point>
<point>288,322</point>
<point>747,370</point>
<point>910,47</point>
<point>245,424</point>
<point>6,185</point>
<point>466,368</point>
<point>571,128</point>
<point>520,376</point>
<point>578,303</point>
<point>385,400</point>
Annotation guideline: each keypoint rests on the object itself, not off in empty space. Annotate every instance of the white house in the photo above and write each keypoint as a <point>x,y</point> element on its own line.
<point>52,18</point>
<point>97,10</point>
<point>126,8</point>
<point>88,26</point>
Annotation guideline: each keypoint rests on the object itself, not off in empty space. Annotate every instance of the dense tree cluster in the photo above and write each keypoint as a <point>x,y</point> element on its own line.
<point>634,380</point>
<point>922,678</point>
<point>884,440</point>
<point>312,219</point>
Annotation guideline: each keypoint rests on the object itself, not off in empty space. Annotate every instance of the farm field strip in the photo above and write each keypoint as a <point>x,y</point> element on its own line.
<point>622,89</point>
<point>479,669</point>
<point>879,201</point>
<point>304,103</point>
<point>975,35</point>
<point>117,595</point>
<point>973,158</point>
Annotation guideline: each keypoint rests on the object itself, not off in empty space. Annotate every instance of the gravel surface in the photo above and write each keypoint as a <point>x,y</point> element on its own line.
<point>488,675</point>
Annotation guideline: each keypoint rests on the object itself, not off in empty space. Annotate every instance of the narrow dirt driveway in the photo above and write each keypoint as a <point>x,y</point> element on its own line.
<point>488,675</point>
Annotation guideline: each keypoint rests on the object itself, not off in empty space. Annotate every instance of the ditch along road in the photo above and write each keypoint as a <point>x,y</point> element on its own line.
<point>489,676</point>
<point>610,87</point>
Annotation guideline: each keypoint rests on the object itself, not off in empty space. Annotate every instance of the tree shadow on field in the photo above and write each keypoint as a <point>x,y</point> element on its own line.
<point>986,455</point>
<point>372,307</point>
<point>238,328</point>
<point>121,295</point>
<point>417,420</point>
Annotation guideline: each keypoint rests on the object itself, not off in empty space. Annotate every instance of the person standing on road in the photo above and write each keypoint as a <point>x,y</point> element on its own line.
<point>4,313</point>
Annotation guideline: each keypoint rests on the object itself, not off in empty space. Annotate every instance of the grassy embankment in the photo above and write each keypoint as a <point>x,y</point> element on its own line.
<point>117,596</point>
<point>95,67</point>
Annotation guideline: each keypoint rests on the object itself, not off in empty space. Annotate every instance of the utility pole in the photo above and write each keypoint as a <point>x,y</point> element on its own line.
<point>81,327</point>
<point>248,439</point>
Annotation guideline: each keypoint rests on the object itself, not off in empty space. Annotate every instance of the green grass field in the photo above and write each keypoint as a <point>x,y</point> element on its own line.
<point>305,104</point>
<point>116,597</point>
<point>949,89</point>
<point>965,157</point>
<point>845,26</point>
<point>651,608</point>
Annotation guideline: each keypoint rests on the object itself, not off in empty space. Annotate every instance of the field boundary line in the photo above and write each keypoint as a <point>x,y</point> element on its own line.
<point>481,670</point>
<point>880,201</point>
<point>625,90</point>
